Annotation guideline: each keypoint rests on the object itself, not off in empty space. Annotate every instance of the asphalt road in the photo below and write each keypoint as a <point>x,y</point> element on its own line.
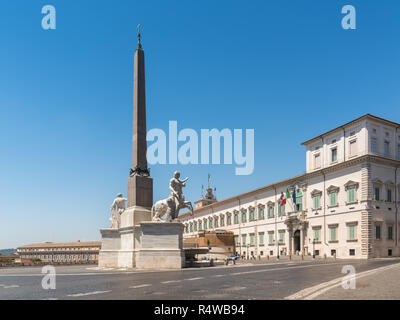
<point>242,281</point>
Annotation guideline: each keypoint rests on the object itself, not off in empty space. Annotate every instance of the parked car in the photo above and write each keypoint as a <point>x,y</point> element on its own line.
<point>234,257</point>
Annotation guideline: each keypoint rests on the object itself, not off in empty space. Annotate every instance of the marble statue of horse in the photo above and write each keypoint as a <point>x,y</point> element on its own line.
<point>168,207</point>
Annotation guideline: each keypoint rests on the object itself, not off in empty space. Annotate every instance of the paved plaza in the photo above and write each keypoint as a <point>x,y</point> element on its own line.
<point>309,279</point>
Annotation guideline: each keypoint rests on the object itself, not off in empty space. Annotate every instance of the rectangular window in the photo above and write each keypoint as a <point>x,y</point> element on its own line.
<point>316,234</point>
<point>316,202</point>
<point>235,218</point>
<point>332,197</point>
<point>281,210</point>
<point>351,195</point>
<point>252,239</point>
<point>377,232</point>
<point>261,238</point>
<point>281,236</point>
<point>317,161</point>
<point>398,152</point>
<point>243,240</point>
<point>270,237</point>
<point>236,240</point>
<point>390,233</point>
<point>377,193</point>
<point>251,215</point>
<point>270,211</point>
<point>352,252</point>
<point>333,154</point>
<point>353,148</point>
<point>389,195</point>
<point>352,232</point>
<point>195,226</point>
<point>205,225</point>
<point>200,227</point>
<point>243,217</point>
<point>228,220</point>
<point>373,145</point>
<point>260,213</point>
<point>210,223</point>
<point>333,233</point>
<point>386,148</point>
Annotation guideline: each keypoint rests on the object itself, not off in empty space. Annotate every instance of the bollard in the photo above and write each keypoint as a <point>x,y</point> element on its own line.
<point>267,257</point>
<point>290,257</point>
<point>334,256</point>
<point>324,256</point>
<point>302,257</point>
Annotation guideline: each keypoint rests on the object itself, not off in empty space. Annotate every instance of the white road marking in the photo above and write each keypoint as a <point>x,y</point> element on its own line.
<point>9,286</point>
<point>50,299</point>
<point>192,279</point>
<point>140,286</point>
<point>233,288</point>
<point>171,281</point>
<point>219,275</point>
<point>87,293</point>
<point>314,291</point>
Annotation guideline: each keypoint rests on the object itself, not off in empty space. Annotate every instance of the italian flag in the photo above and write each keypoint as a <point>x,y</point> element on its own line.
<point>283,198</point>
<point>284,195</point>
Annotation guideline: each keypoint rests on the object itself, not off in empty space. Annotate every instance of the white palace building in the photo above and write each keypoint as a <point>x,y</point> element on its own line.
<point>346,202</point>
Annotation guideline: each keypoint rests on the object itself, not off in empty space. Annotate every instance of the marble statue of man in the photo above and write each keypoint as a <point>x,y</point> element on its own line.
<point>117,208</point>
<point>175,187</point>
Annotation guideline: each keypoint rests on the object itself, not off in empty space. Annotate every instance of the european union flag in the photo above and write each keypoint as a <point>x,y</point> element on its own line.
<point>294,195</point>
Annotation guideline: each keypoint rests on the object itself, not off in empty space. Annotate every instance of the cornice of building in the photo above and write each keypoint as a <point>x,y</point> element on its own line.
<point>364,117</point>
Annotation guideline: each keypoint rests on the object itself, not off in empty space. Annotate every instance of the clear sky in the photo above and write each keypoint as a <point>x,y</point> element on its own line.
<point>287,69</point>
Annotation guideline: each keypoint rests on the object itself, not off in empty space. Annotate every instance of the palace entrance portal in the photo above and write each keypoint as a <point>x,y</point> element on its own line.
<point>296,241</point>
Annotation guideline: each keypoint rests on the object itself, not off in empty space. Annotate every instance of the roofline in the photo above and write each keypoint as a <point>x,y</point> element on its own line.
<point>365,116</point>
<point>62,244</point>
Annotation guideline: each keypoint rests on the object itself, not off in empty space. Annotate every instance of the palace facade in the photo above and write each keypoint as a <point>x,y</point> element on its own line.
<point>346,204</point>
<point>67,252</point>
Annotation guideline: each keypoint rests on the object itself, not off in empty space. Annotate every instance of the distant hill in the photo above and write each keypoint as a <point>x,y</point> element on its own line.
<point>7,251</point>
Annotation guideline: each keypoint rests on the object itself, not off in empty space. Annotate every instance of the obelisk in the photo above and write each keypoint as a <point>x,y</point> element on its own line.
<point>140,184</point>
<point>120,246</point>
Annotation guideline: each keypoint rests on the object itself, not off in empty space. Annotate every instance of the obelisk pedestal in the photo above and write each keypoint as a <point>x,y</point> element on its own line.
<point>161,246</point>
<point>110,246</point>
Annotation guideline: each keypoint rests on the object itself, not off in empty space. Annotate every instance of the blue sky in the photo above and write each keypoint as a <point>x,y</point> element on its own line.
<point>285,68</point>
